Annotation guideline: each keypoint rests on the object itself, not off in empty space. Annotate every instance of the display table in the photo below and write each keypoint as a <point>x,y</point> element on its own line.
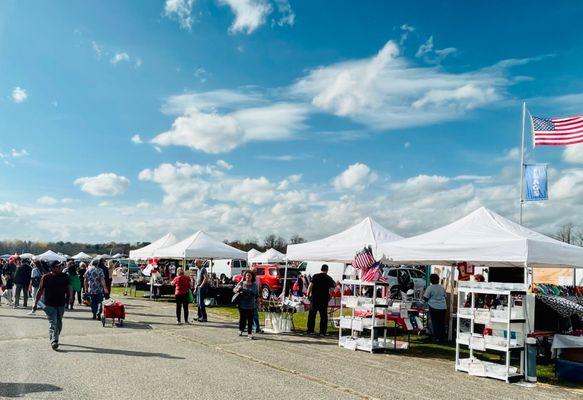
<point>568,364</point>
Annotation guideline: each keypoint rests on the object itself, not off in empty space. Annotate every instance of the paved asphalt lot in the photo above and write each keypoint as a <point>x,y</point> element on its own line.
<point>151,357</point>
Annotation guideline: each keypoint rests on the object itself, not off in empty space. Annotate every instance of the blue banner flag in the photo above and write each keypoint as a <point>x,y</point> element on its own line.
<point>535,180</point>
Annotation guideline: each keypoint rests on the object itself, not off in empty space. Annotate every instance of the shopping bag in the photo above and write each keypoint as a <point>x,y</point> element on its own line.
<point>190,297</point>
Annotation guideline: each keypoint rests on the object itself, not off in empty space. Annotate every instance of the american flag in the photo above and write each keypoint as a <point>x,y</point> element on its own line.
<point>363,259</point>
<point>557,131</point>
<point>374,274</point>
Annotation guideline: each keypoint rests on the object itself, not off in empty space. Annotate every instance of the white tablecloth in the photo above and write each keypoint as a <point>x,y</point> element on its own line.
<point>567,342</point>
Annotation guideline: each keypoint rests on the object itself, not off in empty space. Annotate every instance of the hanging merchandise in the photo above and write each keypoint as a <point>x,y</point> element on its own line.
<point>465,270</point>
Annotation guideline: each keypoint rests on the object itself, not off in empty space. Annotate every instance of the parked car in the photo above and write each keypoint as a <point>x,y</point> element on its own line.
<point>271,279</point>
<point>225,270</point>
<point>414,275</point>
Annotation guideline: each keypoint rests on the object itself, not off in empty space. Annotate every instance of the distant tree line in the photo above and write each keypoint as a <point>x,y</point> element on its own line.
<point>271,241</point>
<point>568,233</point>
<point>72,248</point>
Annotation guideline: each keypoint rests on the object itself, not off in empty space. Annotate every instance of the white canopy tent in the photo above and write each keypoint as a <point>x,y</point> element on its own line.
<point>148,251</point>
<point>269,256</point>
<point>251,254</point>
<point>50,255</point>
<point>483,237</point>
<point>81,256</point>
<point>201,246</point>
<point>343,246</point>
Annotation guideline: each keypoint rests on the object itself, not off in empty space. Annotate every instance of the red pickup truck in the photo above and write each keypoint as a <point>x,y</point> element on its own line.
<point>271,279</point>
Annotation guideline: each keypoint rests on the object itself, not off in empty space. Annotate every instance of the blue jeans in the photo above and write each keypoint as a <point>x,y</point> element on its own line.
<point>200,296</point>
<point>96,299</point>
<point>256,326</point>
<point>55,317</point>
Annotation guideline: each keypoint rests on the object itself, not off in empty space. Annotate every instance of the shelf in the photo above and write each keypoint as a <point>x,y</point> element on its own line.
<point>493,347</point>
<point>491,291</point>
<point>495,320</point>
<point>511,377</point>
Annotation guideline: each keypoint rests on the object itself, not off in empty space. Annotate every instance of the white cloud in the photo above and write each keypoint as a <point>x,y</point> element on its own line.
<point>105,184</point>
<point>19,95</point>
<point>405,31</point>
<point>568,186</point>
<point>287,14</point>
<point>421,183</point>
<point>97,49</point>
<point>225,165</point>
<point>220,121</point>
<point>249,14</point>
<point>283,157</point>
<point>119,57</point>
<point>201,75</point>
<point>573,154</point>
<point>181,11</point>
<point>432,55</point>
<point>137,139</point>
<point>47,201</point>
<point>356,177</point>
<point>407,145</point>
<point>19,153</point>
<point>387,92</point>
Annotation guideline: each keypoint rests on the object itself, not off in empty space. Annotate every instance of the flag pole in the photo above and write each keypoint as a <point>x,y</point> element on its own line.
<point>522,162</point>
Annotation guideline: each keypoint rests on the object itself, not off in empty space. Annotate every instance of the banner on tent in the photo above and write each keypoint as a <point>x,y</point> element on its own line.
<point>535,177</point>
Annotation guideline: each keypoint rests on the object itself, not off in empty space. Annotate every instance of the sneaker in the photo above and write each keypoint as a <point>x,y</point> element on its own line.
<point>260,331</point>
<point>250,337</point>
<point>31,312</point>
<point>187,322</point>
<point>55,345</point>
<point>178,323</point>
<point>240,333</point>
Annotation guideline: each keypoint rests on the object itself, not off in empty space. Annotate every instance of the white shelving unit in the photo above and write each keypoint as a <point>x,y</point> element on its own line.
<point>508,326</point>
<point>356,332</point>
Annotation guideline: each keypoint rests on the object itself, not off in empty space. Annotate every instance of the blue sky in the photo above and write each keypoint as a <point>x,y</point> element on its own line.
<point>125,120</point>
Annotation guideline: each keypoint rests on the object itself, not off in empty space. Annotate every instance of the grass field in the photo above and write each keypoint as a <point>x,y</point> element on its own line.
<point>420,346</point>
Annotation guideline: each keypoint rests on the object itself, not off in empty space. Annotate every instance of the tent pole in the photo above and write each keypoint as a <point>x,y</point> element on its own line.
<point>451,301</point>
<point>522,162</point>
<point>284,280</point>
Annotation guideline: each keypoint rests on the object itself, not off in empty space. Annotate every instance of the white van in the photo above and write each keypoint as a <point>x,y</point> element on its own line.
<point>227,269</point>
<point>335,270</point>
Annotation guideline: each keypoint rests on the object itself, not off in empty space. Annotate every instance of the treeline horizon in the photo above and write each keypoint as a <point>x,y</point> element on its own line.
<point>72,248</point>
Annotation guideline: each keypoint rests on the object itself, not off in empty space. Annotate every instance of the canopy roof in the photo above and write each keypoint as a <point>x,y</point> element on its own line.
<point>201,246</point>
<point>342,247</point>
<point>483,237</point>
<point>148,251</point>
<point>269,256</point>
<point>50,255</point>
<point>252,254</point>
<point>81,256</point>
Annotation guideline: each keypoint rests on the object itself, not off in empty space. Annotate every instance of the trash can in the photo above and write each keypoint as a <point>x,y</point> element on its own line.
<point>531,352</point>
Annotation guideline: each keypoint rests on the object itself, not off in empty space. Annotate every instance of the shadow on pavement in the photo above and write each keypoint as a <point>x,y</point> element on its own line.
<point>22,389</point>
<point>101,350</point>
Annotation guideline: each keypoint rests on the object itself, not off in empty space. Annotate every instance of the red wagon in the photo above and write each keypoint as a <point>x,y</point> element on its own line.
<point>113,310</point>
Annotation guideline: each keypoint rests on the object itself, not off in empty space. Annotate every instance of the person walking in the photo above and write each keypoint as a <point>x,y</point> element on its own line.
<point>9,271</point>
<point>434,296</point>
<point>75,282</point>
<point>319,293</point>
<point>107,278</point>
<point>256,325</point>
<point>183,286</point>
<point>202,279</point>
<point>35,277</point>
<point>247,299</point>
<point>57,292</point>
<point>95,287</point>
<point>22,277</point>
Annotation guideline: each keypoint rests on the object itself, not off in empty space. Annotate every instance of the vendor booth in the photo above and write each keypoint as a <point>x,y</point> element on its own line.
<point>50,256</point>
<point>81,256</point>
<point>252,254</point>
<point>487,239</point>
<point>339,248</point>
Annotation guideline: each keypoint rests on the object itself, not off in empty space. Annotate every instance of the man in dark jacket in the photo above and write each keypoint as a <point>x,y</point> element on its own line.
<point>56,290</point>
<point>21,281</point>
<point>319,292</point>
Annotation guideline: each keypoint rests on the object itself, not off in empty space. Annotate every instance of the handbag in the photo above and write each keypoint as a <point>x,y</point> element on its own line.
<point>235,297</point>
<point>190,297</point>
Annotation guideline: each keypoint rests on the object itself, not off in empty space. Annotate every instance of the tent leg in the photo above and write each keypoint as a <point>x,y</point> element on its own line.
<point>451,301</point>
<point>284,281</point>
